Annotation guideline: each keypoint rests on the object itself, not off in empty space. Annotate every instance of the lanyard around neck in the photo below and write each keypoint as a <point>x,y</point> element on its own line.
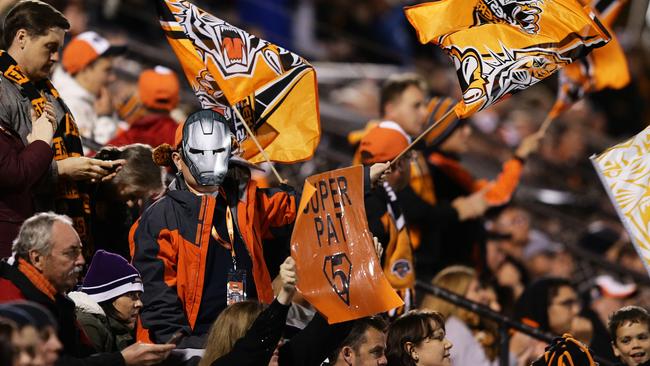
<point>231,234</point>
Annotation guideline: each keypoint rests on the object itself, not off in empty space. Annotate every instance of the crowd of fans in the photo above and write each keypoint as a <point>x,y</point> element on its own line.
<point>124,245</point>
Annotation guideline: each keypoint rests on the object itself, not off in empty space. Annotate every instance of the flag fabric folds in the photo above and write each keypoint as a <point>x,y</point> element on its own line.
<point>340,273</point>
<point>501,47</point>
<point>605,67</point>
<point>274,89</point>
<point>624,170</point>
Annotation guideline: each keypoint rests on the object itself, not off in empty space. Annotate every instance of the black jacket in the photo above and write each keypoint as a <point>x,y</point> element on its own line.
<point>308,347</point>
<point>445,240</point>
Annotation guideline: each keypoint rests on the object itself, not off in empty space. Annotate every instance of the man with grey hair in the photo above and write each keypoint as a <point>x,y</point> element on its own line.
<point>46,265</point>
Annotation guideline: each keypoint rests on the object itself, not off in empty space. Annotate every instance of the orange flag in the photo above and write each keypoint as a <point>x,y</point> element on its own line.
<point>274,89</point>
<point>502,47</point>
<point>605,67</point>
<point>339,272</point>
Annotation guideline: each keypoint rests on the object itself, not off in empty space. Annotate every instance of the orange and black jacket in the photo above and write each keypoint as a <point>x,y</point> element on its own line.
<point>169,246</point>
<point>386,222</point>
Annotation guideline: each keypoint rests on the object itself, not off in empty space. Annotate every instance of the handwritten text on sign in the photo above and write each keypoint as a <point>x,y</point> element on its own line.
<point>339,272</point>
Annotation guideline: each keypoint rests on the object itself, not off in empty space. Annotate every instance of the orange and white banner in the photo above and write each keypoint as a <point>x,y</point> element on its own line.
<point>624,170</point>
<point>501,47</point>
<point>339,272</point>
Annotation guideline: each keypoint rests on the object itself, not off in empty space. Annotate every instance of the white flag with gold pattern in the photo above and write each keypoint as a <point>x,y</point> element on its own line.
<point>624,170</point>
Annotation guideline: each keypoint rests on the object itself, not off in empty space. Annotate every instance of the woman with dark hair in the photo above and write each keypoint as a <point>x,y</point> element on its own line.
<point>109,304</point>
<point>418,338</point>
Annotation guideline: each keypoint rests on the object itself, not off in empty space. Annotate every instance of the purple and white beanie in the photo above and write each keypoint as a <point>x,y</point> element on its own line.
<point>110,276</point>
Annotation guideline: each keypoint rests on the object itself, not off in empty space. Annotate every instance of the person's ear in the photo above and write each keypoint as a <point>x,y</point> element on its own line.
<point>20,38</point>
<point>617,353</point>
<point>409,348</point>
<point>36,259</point>
<point>389,108</point>
<point>348,355</point>
<point>176,158</point>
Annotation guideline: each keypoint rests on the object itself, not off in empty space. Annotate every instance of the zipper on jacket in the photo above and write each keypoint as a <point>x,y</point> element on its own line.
<point>204,202</point>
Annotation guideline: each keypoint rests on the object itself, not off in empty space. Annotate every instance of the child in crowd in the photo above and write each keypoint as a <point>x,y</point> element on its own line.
<point>629,328</point>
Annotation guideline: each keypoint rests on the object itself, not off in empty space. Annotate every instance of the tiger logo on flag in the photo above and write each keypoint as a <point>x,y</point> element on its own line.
<point>500,47</point>
<point>487,78</point>
<point>522,14</point>
<point>236,51</point>
<point>273,89</point>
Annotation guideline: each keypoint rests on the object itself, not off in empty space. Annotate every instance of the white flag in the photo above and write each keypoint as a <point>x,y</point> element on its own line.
<point>624,170</point>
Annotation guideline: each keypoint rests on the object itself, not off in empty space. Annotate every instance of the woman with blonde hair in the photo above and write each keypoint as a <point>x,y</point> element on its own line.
<point>463,326</point>
<point>462,281</point>
<point>247,332</point>
<point>231,325</point>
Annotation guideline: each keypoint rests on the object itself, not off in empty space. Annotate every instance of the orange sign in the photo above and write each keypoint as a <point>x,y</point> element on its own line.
<point>338,270</point>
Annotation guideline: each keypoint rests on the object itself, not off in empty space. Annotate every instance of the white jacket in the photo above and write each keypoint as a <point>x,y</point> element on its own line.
<point>82,106</point>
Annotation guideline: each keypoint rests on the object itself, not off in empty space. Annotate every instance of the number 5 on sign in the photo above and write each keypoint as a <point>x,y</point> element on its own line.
<point>339,272</point>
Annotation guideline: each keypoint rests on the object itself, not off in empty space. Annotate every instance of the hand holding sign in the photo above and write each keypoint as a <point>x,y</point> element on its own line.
<point>289,279</point>
<point>340,274</point>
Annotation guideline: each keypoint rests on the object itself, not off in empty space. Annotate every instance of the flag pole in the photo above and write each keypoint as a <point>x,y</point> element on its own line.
<point>257,143</point>
<point>546,124</point>
<point>442,119</point>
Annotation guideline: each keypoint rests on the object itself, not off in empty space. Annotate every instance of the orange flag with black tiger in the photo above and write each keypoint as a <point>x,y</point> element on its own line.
<point>501,47</point>
<point>274,89</point>
<point>605,67</point>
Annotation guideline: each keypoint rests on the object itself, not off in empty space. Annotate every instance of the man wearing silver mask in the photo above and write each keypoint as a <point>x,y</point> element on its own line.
<point>199,247</point>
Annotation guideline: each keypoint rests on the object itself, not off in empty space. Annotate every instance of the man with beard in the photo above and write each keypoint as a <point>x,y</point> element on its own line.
<point>46,265</point>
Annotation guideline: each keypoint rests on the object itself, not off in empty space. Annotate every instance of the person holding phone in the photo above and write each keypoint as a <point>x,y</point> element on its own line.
<point>33,33</point>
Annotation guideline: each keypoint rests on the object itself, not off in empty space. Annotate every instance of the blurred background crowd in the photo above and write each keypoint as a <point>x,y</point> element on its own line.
<point>560,223</point>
